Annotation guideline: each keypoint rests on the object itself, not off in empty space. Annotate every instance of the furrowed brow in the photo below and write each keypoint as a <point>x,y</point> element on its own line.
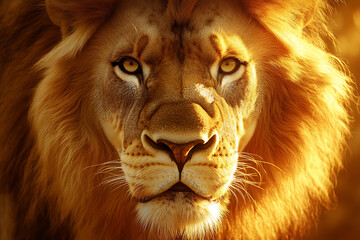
<point>141,45</point>
<point>218,45</point>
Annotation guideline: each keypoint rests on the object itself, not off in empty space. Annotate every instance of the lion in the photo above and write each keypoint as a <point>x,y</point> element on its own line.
<point>168,119</point>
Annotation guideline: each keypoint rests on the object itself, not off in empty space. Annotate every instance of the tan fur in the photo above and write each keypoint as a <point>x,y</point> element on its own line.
<point>264,144</point>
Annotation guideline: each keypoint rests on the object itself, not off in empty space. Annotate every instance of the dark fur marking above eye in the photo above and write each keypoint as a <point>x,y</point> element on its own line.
<point>141,45</point>
<point>215,43</point>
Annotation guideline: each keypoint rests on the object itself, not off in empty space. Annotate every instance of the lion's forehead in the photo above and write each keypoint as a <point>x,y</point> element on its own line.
<point>206,34</point>
<point>155,15</point>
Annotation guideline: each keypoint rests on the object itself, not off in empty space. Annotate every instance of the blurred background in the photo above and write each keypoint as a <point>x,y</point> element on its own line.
<point>343,222</point>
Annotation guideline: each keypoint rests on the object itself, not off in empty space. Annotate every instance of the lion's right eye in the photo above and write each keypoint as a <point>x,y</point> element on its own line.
<point>130,65</point>
<point>128,69</point>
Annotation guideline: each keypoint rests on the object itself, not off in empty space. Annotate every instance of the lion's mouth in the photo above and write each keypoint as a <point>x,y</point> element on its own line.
<point>172,192</point>
<point>180,187</point>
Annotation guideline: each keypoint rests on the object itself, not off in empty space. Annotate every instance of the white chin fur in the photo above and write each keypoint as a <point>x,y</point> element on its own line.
<point>179,215</point>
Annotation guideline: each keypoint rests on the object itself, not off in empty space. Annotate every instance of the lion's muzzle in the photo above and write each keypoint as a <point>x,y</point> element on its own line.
<point>180,153</point>
<point>181,129</point>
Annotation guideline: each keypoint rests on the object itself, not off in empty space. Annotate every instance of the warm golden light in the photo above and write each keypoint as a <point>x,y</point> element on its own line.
<point>343,221</point>
<point>356,17</point>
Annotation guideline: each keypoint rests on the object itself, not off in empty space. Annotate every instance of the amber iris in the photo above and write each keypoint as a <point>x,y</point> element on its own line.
<point>130,65</point>
<point>229,65</point>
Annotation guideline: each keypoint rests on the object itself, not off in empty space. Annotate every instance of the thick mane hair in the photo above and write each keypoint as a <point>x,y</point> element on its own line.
<point>302,128</point>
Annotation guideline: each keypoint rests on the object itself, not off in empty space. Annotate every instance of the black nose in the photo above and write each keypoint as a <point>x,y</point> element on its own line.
<point>180,153</point>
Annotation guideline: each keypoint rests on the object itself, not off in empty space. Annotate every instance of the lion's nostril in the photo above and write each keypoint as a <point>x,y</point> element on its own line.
<point>157,145</point>
<point>180,153</point>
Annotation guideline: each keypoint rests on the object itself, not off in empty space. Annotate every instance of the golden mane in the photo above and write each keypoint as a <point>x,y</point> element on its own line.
<point>302,128</point>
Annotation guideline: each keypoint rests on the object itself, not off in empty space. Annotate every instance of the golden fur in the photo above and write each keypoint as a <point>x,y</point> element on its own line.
<point>76,162</point>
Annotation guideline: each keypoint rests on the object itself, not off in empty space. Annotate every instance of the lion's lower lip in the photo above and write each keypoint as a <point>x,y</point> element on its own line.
<point>171,195</point>
<point>146,199</point>
<point>174,191</point>
<point>180,187</point>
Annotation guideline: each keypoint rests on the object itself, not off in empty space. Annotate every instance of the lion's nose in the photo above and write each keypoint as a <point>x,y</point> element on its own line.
<point>180,153</point>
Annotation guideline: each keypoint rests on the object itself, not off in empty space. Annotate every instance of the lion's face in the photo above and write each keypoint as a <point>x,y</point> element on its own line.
<point>178,103</point>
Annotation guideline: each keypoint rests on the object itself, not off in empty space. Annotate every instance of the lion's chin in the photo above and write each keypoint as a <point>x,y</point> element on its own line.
<point>181,214</point>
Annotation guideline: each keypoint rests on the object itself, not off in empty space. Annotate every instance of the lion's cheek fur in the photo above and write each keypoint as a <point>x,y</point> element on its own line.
<point>55,121</point>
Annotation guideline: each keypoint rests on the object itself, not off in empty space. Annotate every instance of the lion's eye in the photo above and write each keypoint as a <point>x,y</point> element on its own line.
<point>229,65</point>
<point>129,65</point>
<point>128,69</point>
<point>231,69</point>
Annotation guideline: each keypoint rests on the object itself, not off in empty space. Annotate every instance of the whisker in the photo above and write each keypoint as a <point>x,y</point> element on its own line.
<point>102,164</point>
<point>113,174</point>
<point>254,158</point>
<point>236,198</point>
<point>239,192</point>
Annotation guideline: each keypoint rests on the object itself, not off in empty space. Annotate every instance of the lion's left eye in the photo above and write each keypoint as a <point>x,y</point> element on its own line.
<point>231,69</point>
<point>229,65</point>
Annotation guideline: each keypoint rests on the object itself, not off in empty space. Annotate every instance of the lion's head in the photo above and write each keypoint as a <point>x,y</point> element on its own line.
<point>194,119</point>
